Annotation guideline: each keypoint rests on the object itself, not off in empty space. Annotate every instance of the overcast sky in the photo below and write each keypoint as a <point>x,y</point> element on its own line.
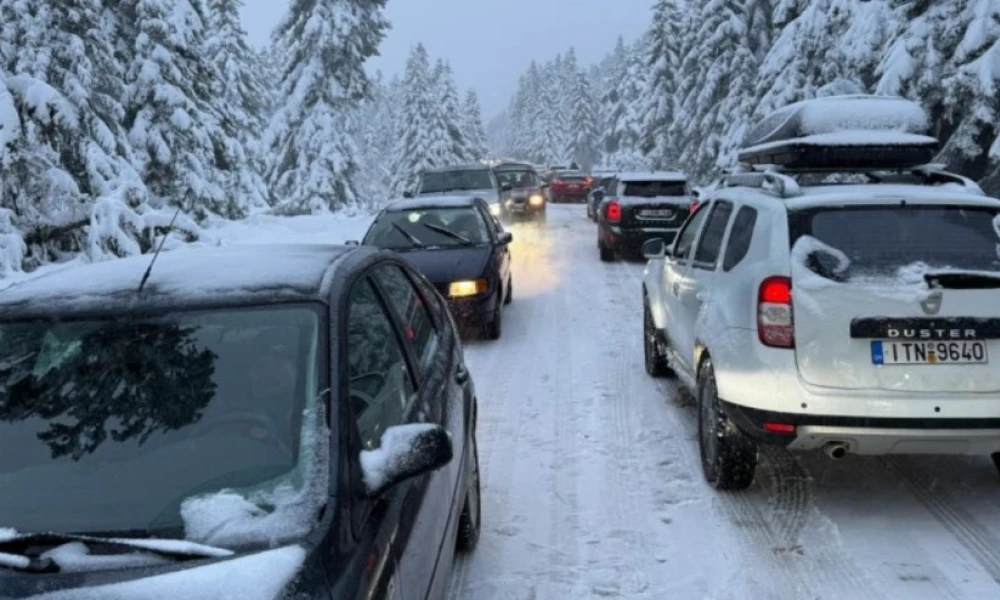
<point>488,42</point>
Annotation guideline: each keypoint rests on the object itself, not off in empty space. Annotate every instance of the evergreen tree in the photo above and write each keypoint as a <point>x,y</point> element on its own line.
<point>583,124</point>
<point>417,119</point>
<point>324,44</point>
<point>450,146</point>
<point>612,104</point>
<point>659,97</point>
<point>472,125</point>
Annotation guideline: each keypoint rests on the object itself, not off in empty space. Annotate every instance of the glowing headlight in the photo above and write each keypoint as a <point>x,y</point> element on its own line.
<point>495,210</point>
<point>536,200</point>
<point>464,289</point>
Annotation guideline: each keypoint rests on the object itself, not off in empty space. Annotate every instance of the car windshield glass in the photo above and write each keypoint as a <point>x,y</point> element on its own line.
<point>878,240</point>
<point>450,181</point>
<point>652,189</point>
<point>519,179</point>
<point>108,425</point>
<point>426,225</point>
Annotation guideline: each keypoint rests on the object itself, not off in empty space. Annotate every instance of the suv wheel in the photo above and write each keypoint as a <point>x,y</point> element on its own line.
<point>728,456</point>
<point>607,255</point>
<point>495,327</point>
<point>469,523</point>
<point>656,361</point>
<point>510,291</point>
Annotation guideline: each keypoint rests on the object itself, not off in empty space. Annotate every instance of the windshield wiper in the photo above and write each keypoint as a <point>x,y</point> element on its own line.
<point>179,550</point>
<point>963,280</point>
<point>409,236</point>
<point>448,232</point>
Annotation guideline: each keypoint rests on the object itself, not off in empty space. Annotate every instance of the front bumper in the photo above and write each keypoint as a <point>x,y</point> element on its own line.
<point>630,240</point>
<point>525,209</point>
<point>475,311</point>
<point>871,436</point>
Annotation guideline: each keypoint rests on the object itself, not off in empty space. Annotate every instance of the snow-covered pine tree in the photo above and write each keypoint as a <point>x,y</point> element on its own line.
<point>661,93</point>
<point>583,124</point>
<point>612,105</point>
<point>451,146</point>
<point>417,119</point>
<point>472,125</point>
<point>325,44</point>
<point>628,124</point>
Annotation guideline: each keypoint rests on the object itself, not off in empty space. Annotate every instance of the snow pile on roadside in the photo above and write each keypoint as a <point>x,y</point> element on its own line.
<point>260,576</point>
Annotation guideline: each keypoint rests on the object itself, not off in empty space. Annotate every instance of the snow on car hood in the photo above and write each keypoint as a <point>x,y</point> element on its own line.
<point>260,576</point>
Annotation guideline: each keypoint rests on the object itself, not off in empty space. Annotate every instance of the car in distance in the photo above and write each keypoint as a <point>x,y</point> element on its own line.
<point>459,247</point>
<point>849,317</point>
<point>246,415</point>
<point>642,206</point>
<point>473,179</point>
<point>527,195</point>
<point>569,186</point>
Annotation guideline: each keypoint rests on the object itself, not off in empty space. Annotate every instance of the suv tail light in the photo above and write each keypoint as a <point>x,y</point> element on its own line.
<point>775,325</point>
<point>694,205</point>
<point>613,212</point>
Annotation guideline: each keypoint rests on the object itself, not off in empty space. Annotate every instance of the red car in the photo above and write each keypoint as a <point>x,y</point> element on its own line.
<point>569,186</point>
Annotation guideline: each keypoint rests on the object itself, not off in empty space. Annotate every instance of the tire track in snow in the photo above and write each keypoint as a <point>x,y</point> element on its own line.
<point>978,541</point>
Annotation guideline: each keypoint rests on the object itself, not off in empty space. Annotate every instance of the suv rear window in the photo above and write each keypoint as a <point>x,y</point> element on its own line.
<point>879,240</point>
<point>652,189</point>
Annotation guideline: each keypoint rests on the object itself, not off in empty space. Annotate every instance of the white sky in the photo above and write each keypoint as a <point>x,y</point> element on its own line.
<point>488,42</point>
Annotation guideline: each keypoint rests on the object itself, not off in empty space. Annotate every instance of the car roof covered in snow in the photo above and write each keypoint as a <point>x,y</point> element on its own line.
<point>874,193</point>
<point>185,278</point>
<point>429,202</point>
<point>511,166</point>
<point>462,167</point>
<point>678,176</point>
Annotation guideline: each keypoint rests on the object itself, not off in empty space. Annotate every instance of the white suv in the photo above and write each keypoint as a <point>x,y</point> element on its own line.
<point>852,317</point>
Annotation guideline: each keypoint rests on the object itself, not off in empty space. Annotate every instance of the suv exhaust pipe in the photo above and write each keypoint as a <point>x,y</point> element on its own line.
<point>836,450</point>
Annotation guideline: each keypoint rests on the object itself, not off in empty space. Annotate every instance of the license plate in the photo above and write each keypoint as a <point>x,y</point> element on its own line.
<point>517,208</point>
<point>929,353</point>
<point>659,214</point>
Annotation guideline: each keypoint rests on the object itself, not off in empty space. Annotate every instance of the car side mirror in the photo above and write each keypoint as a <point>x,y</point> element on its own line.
<point>407,194</point>
<point>696,194</point>
<point>505,238</point>
<point>654,249</point>
<point>405,452</point>
<point>352,243</point>
<point>598,195</point>
<point>506,187</point>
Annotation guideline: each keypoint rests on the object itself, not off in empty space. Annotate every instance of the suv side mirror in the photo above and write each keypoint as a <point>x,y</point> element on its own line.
<point>598,195</point>
<point>506,187</point>
<point>407,194</point>
<point>505,238</point>
<point>654,249</point>
<point>405,452</point>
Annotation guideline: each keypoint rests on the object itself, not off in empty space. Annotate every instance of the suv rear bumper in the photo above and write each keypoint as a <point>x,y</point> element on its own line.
<point>630,240</point>
<point>872,436</point>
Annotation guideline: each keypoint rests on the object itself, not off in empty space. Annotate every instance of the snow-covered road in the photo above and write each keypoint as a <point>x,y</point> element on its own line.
<point>593,488</point>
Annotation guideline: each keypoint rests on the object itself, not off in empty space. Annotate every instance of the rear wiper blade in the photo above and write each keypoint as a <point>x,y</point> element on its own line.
<point>447,232</point>
<point>959,280</point>
<point>409,236</point>
<point>175,549</point>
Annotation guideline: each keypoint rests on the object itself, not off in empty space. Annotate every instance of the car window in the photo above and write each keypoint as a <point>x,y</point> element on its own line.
<point>710,243</point>
<point>461,179</point>
<point>379,381</point>
<point>418,328</point>
<point>685,239</point>
<point>654,189</point>
<point>740,237</point>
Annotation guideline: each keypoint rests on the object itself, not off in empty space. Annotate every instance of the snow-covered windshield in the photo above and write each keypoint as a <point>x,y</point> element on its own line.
<point>109,425</point>
<point>519,179</point>
<point>451,181</point>
<point>879,240</point>
<point>431,227</point>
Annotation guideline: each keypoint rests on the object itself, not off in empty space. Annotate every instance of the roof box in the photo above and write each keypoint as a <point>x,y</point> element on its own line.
<point>843,133</point>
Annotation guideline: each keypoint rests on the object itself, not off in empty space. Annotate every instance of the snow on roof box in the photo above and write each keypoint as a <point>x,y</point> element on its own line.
<point>843,132</point>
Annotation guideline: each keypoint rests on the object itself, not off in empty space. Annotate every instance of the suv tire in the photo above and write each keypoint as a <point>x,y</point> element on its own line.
<point>470,521</point>
<point>656,362</point>
<point>607,255</point>
<point>495,327</point>
<point>728,456</point>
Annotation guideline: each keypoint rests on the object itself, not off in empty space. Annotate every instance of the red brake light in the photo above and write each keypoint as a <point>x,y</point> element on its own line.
<point>779,428</point>
<point>613,212</point>
<point>694,205</point>
<point>775,325</point>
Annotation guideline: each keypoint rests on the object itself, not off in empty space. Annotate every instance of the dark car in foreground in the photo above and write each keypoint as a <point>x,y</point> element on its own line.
<point>459,247</point>
<point>254,422</point>
<point>569,186</point>
<point>527,196</point>
<point>643,206</point>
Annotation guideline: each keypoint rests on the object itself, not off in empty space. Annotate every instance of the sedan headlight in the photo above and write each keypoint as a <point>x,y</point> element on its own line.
<point>495,210</point>
<point>464,289</point>
<point>536,200</point>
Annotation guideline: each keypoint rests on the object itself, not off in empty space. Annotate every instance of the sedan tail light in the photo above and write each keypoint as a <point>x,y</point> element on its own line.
<point>775,323</point>
<point>613,212</point>
<point>694,205</point>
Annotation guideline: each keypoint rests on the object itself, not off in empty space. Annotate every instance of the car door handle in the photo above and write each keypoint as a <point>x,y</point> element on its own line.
<point>461,374</point>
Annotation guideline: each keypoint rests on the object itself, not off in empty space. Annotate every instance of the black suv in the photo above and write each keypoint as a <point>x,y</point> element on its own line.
<point>642,206</point>
<point>261,422</point>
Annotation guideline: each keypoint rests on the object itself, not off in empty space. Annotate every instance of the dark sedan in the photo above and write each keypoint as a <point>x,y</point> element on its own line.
<point>460,247</point>
<point>527,196</point>
<point>258,422</point>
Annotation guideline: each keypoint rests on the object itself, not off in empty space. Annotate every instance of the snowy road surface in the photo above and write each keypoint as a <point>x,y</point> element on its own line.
<point>593,488</point>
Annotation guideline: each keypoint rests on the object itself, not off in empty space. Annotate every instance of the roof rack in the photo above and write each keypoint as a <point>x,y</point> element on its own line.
<point>778,181</point>
<point>773,182</point>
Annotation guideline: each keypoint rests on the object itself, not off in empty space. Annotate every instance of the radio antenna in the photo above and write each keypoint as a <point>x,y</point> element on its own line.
<point>149,269</point>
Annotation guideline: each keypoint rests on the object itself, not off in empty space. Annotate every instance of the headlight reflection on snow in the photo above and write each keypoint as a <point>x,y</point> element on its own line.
<point>533,245</point>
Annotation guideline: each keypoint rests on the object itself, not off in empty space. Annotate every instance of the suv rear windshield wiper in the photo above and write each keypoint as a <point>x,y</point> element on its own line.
<point>963,280</point>
<point>179,550</point>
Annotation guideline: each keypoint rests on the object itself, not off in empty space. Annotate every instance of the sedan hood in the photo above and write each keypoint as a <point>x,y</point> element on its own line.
<point>442,266</point>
